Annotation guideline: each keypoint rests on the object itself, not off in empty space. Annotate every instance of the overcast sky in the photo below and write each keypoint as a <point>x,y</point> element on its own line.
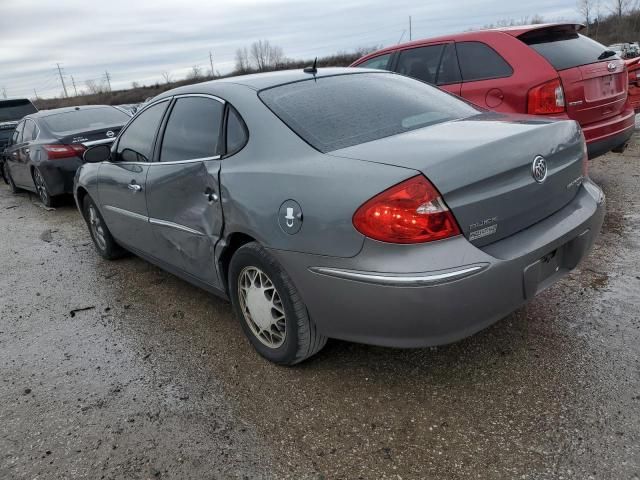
<point>137,40</point>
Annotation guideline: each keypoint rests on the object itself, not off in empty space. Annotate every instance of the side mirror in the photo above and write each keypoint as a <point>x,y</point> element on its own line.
<point>97,154</point>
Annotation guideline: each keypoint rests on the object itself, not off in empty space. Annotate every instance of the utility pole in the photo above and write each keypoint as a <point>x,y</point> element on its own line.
<point>62,80</point>
<point>108,77</point>
<point>410,37</point>
<point>4,92</point>
<point>35,93</point>
<point>73,82</point>
<point>211,62</point>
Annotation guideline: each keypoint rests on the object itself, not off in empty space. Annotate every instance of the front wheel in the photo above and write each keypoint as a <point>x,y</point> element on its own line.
<point>100,234</point>
<point>272,314</point>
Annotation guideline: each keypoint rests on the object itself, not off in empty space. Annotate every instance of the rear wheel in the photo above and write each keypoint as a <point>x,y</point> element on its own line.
<point>100,234</point>
<point>269,307</point>
<point>42,190</point>
<point>10,181</point>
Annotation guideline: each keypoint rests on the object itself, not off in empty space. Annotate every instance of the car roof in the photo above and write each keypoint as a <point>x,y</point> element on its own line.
<point>514,31</point>
<point>55,111</point>
<point>261,81</point>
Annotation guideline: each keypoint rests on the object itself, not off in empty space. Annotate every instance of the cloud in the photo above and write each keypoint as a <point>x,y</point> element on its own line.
<point>138,40</point>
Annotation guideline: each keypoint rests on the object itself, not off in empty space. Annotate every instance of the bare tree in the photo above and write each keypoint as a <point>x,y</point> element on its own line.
<point>586,9</point>
<point>94,87</point>
<point>264,56</point>
<point>195,73</point>
<point>135,85</point>
<point>242,60</point>
<point>620,7</point>
<point>166,76</point>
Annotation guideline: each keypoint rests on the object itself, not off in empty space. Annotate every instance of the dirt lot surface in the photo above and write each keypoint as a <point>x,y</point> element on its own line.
<point>152,378</point>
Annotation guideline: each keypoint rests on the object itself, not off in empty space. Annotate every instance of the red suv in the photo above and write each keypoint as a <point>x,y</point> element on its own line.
<point>548,70</point>
<point>633,66</point>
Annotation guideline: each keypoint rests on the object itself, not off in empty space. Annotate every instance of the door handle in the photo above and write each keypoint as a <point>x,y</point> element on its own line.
<point>135,187</point>
<point>211,195</point>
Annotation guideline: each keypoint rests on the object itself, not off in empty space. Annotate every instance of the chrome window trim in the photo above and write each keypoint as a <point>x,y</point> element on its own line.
<point>205,95</point>
<point>192,160</point>
<point>126,213</point>
<point>98,142</point>
<point>176,226</point>
<point>400,280</point>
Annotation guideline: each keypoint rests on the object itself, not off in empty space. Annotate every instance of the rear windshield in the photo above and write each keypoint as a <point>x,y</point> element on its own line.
<point>566,49</point>
<point>15,109</point>
<point>337,112</point>
<point>85,120</point>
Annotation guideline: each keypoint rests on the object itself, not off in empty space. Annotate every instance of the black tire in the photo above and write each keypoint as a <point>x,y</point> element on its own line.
<point>9,178</point>
<point>106,246</point>
<point>42,190</point>
<point>301,338</point>
<point>4,176</point>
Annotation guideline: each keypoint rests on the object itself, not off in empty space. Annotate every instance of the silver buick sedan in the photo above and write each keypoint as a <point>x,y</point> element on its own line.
<point>341,203</point>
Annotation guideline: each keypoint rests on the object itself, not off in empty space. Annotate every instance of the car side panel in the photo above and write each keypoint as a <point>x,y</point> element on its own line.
<point>275,166</point>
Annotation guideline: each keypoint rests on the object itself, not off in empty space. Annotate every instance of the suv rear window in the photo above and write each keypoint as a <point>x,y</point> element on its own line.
<point>15,109</point>
<point>85,120</point>
<point>337,112</point>
<point>564,49</point>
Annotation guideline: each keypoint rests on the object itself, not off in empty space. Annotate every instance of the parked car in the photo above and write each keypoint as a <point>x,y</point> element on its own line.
<point>548,70</point>
<point>633,50</point>
<point>345,203</point>
<point>46,148</point>
<point>633,66</point>
<point>11,111</point>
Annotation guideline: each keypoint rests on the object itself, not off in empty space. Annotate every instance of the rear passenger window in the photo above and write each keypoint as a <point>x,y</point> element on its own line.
<point>29,132</point>
<point>17,133</point>
<point>236,132</point>
<point>479,61</point>
<point>421,63</point>
<point>193,129</point>
<point>381,62</point>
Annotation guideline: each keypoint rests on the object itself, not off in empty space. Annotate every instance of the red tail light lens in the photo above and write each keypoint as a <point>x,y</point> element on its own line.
<point>411,212</point>
<point>546,99</point>
<point>64,151</point>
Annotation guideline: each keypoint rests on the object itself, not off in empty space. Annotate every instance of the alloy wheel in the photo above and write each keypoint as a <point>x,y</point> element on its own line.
<point>262,307</point>
<point>97,228</point>
<point>41,187</point>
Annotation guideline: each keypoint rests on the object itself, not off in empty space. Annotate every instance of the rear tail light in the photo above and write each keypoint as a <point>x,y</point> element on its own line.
<point>64,151</point>
<point>546,98</point>
<point>410,212</point>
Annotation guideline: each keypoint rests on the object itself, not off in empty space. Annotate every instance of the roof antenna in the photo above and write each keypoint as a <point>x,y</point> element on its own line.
<point>312,69</point>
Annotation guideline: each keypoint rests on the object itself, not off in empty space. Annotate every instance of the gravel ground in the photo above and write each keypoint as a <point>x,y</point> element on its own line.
<point>155,380</point>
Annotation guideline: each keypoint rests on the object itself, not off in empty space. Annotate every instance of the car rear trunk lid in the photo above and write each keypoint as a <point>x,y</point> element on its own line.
<point>483,167</point>
<point>92,137</point>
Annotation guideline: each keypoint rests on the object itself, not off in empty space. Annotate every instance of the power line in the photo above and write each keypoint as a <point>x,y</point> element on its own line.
<point>62,80</point>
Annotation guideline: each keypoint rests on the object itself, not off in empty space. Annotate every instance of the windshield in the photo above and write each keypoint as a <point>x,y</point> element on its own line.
<point>86,119</point>
<point>337,112</point>
<point>566,49</point>
<point>15,109</point>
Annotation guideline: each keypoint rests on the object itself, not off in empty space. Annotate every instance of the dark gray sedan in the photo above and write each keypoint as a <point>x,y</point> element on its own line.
<point>46,148</point>
<point>352,204</point>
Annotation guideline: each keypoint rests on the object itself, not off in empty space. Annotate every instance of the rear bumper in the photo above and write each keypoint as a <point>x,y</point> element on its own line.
<point>608,134</point>
<point>455,290</point>
<point>601,147</point>
<point>59,174</point>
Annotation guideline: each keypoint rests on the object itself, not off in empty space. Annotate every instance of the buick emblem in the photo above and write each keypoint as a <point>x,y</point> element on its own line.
<point>110,134</point>
<point>539,169</point>
<point>612,67</point>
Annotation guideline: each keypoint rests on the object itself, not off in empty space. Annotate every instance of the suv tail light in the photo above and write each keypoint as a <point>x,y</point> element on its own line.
<point>546,98</point>
<point>410,212</point>
<point>64,151</point>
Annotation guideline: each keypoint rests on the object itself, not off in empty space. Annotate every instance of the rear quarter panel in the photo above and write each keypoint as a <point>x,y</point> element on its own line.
<point>275,166</point>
